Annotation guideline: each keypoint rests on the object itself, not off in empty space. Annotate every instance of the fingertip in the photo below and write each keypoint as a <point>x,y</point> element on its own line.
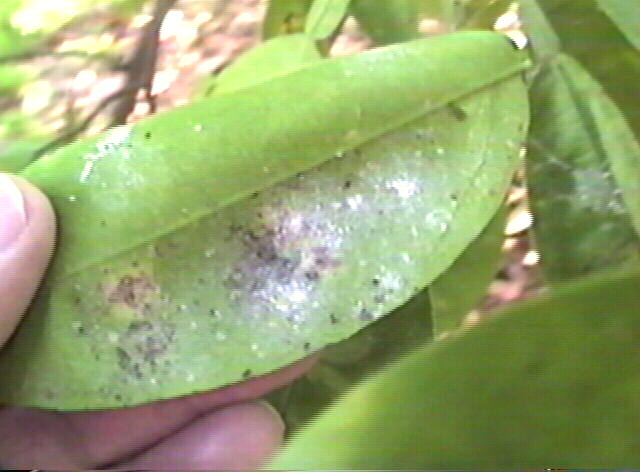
<point>237,437</point>
<point>27,229</point>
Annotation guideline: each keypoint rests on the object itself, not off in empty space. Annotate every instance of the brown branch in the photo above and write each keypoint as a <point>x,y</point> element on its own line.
<point>140,69</point>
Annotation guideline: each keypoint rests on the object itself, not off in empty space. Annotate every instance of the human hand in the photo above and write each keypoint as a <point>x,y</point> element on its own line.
<point>221,429</point>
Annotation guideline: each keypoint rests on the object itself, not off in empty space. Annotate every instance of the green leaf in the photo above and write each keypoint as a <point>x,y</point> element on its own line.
<point>183,285</point>
<point>325,17</point>
<point>458,290</point>
<point>285,17</point>
<point>540,33</point>
<point>335,104</point>
<point>625,14</point>
<point>301,400</point>
<point>273,58</point>
<point>343,365</point>
<point>578,144</point>
<point>583,31</point>
<point>391,21</point>
<point>17,154</point>
<point>482,14</point>
<point>553,381</point>
<point>16,125</point>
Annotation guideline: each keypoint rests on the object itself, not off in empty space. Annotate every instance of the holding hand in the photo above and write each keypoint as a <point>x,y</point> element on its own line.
<point>222,429</point>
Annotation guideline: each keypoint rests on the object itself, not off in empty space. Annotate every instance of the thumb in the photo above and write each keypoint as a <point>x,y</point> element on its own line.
<point>27,230</point>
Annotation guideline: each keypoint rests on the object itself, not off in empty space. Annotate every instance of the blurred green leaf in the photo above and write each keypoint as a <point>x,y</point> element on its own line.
<point>12,78</point>
<point>545,43</point>
<point>391,21</point>
<point>12,41</point>
<point>626,15</point>
<point>46,16</point>
<point>395,21</point>
<point>325,16</point>
<point>285,17</point>
<point>581,221</point>
<point>276,57</point>
<point>462,286</point>
<point>26,26</point>
<point>128,7</point>
<point>343,365</point>
<point>482,14</point>
<point>470,14</point>
<point>17,125</point>
<point>15,155</point>
<point>551,382</point>
<point>173,276</point>
<point>585,32</point>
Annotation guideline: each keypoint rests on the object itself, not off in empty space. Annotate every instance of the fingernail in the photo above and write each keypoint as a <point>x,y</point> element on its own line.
<point>13,217</point>
<point>276,415</point>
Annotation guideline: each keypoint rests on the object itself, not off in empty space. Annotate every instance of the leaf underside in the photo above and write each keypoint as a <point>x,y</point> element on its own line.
<point>271,278</point>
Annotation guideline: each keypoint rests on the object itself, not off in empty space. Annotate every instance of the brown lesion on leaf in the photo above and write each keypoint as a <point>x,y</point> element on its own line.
<point>144,347</point>
<point>131,292</point>
<point>287,247</point>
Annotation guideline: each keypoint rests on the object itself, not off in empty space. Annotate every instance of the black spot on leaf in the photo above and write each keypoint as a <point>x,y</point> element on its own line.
<point>365,315</point>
